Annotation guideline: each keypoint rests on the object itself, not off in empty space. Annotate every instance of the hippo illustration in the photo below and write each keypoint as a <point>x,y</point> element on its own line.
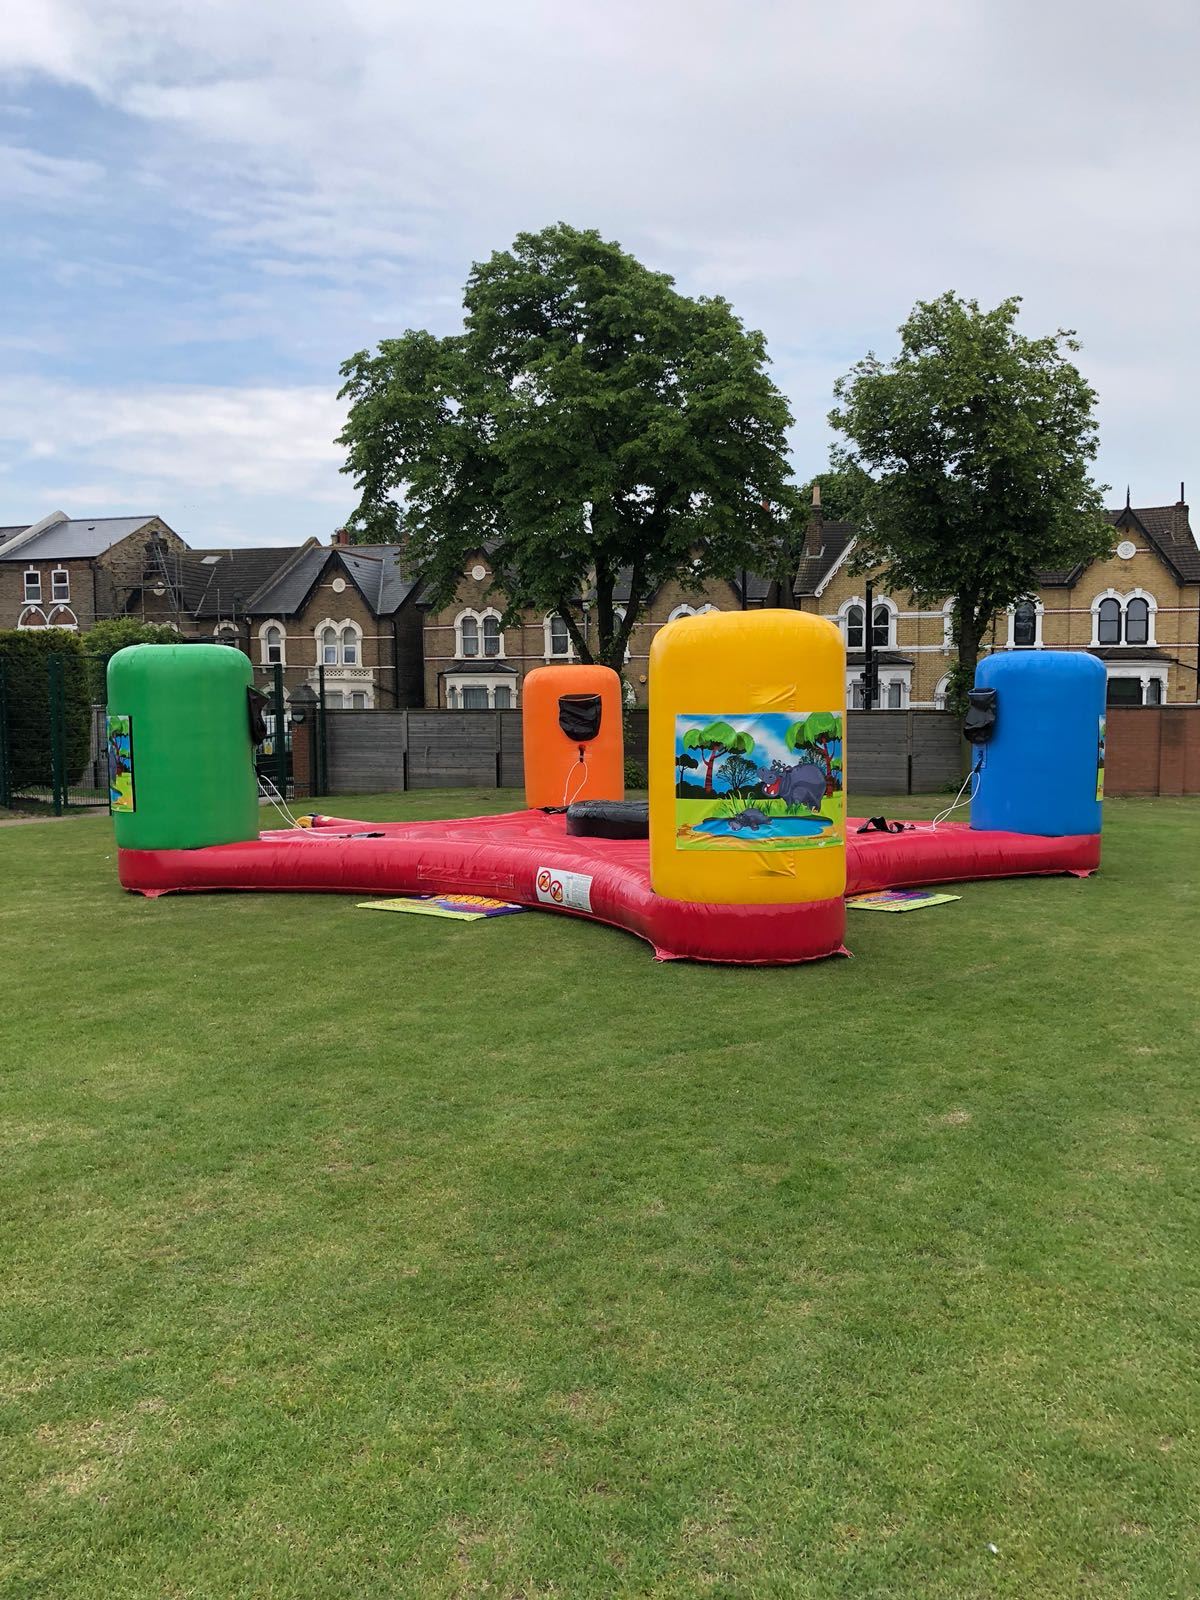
<point>750,818</point>
<point>803,784</point>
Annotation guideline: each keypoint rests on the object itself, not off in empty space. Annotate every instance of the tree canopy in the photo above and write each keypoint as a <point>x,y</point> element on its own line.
<point>110,634</point>
<point>978,442</point>
<point>590,421</point>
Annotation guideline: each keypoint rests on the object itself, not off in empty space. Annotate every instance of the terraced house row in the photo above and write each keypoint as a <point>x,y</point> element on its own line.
<point>351,616</point>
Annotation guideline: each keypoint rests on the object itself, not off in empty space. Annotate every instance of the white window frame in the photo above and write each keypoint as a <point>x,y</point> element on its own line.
<point>692,611</point>
<point>1145,671</point>
<point>888,676</point>
<point>550,653</point>
<point>351,633</point>
<point>55,615</point>
<point>1038,612</point>
<point>941,690</point>
<point>456,682</point>
<point>893,611</point>
<point>226,633</point>
<point>55,574</point>
<point>24,623</point>
<point>843,621</point>
<point>1123,599</point>
<point>263,630</point>
<point>33,589</point>
<point>479,618</point>
<point>619,614</point>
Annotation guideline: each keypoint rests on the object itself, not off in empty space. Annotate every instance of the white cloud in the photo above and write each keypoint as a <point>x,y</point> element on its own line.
<point>28,175</point>
<point>96,450</point>
<point>824,165</point>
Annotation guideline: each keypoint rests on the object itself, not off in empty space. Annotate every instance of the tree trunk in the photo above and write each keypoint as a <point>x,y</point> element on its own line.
<point>827,761</point>
<point>709,763</point>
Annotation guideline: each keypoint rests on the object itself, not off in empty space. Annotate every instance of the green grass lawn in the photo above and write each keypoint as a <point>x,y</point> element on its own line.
<point>355,1255</point>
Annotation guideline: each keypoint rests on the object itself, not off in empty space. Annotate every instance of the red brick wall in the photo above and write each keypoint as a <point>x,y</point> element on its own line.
<point>1153,750</point>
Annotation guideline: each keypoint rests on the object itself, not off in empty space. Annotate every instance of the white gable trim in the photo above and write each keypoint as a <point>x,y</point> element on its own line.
<point>828,578</point>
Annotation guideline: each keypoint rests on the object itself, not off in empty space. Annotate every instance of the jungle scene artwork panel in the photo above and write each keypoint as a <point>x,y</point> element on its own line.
<point>769,780</point>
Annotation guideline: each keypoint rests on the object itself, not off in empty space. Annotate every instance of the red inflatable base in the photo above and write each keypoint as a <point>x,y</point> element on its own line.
<point>529,858</point>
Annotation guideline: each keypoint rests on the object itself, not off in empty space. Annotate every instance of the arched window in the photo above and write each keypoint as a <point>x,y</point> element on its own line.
<point>226,633</point>
<point>558,640</point>
<point>941,690</point>
<point>619,618</point>
<point>1108,621</point>
<point>493,640</point>
<point>271,642</point>
<point>883,618</point>
<point>63,617</point>
<point>349,640</point>
<point>1024,625</point>
<point>1137,622</point>
<point>855,628</point>
<point>329,646</point>
<point>32,617</point>
<point>469,634</point>
<point>692,611</point>
<point>478,633</point>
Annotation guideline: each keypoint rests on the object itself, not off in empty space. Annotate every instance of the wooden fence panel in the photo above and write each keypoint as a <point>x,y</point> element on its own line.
<point>887,752</point>
<point>365,751</point>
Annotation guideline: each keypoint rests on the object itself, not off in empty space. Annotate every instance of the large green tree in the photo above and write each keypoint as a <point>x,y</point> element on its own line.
<point>716,740</point>
<point>589,421</point>
<point>978,441</point>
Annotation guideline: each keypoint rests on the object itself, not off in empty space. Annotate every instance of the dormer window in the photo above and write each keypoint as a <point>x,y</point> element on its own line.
<point>33,586</point>
<point>60,584</point>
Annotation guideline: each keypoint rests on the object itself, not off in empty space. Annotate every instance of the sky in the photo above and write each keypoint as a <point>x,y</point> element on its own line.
<point>209,205</point>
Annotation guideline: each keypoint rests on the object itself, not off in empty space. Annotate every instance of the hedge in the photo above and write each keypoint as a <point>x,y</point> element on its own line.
<point>25,658</point>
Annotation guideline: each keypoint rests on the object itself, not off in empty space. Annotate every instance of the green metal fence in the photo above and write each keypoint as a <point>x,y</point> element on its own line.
<point>53,744</point>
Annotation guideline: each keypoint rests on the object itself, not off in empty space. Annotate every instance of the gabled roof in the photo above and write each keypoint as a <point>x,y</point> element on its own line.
<point>218,583</point>
<point>373,569</point>
<point>1166,528</point>
<point>1169,533</point>
<point>813,570</point>
<point>70,538</point>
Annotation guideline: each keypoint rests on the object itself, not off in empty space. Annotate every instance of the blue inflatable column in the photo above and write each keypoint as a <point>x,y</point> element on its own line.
<point>1043,768</point>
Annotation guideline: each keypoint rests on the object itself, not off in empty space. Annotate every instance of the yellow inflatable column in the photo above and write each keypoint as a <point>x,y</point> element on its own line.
<point>747,796</point>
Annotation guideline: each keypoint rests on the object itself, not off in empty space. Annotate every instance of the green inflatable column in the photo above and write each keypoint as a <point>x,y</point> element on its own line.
<point>181,764</point>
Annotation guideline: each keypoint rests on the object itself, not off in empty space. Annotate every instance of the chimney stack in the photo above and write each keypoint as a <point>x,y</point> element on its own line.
<point>1179,520</point>
<point>340,536</point>
<point>814,537</point>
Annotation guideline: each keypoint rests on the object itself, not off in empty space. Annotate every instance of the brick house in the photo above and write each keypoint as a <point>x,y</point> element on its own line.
<point>473,663</point>
<point>1138,610</point>
<point>71,573</point>
<point>348,609</point>
<point>65,572</point>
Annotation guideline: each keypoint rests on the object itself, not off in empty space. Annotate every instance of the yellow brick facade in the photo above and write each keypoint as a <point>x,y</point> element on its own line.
<point>918,654</point>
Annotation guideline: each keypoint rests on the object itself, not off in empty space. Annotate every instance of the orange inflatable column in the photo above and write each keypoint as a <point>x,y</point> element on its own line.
<point>564,759</point>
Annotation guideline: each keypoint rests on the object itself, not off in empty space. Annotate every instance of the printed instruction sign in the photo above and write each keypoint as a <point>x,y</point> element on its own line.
<point>571,890</point>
